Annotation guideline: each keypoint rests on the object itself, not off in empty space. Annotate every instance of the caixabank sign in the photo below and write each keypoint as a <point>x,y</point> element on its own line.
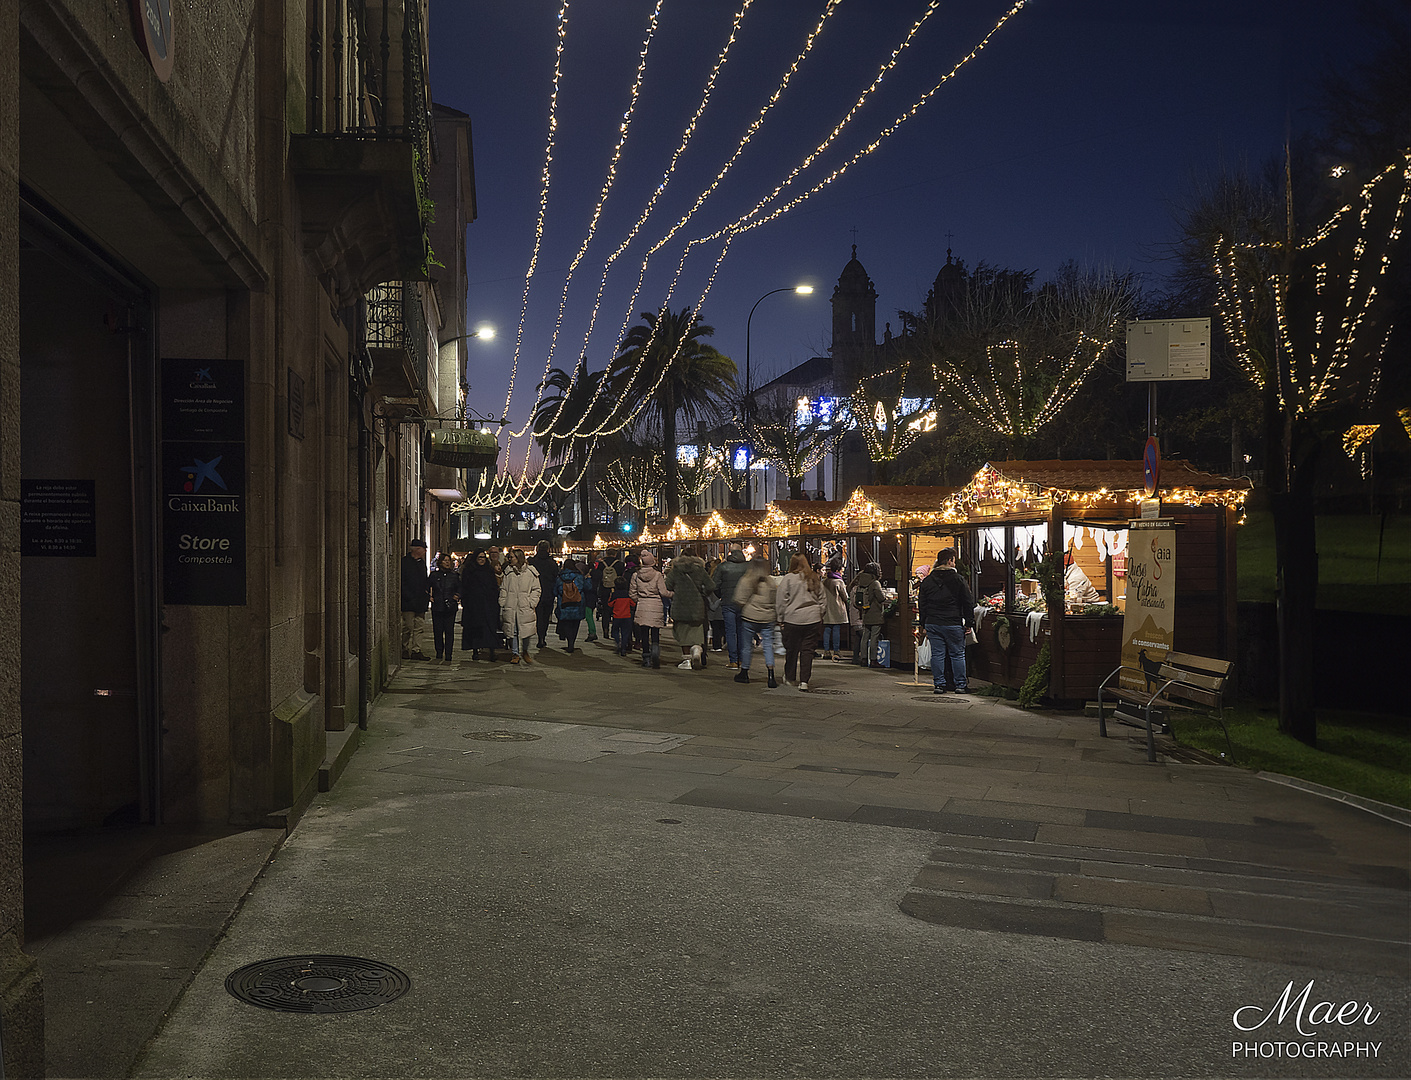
<point>203,482</point>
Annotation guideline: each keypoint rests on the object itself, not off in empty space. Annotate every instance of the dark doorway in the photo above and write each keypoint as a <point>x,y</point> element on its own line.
<point>87,678</point>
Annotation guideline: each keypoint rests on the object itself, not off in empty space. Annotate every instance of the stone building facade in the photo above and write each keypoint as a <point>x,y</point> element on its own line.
<point>221,344</point>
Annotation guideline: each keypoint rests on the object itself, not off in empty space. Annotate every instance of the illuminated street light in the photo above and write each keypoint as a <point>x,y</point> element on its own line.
<point>801,290</point>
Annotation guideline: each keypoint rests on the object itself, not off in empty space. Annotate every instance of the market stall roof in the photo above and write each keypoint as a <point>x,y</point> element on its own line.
<point>716,525</point>
<point>786,517</point>
<point>876,506</point>
<point>1006,488</point>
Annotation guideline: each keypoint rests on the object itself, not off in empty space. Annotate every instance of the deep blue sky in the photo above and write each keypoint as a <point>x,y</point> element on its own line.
<point>1071,136</point>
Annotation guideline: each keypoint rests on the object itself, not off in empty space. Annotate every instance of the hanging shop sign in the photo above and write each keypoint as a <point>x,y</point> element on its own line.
<point>58,518</point>
<point>461,448</point>
<point>203,482</point>
<point>1149,621</point>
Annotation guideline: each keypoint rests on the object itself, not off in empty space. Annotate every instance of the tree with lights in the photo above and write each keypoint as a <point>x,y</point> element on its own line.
<point>1308,313</point>
<point>889,420</point>
<point>664,364</point>
<point>792,439</point>
<point>1011,356</point>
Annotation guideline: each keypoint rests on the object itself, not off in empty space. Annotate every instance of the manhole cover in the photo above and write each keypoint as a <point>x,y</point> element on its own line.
<point>833,693</point>
<point>501,736</point>
<point>317,984</point>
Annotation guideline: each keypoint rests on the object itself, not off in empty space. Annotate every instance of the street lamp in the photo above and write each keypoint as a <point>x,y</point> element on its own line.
<point>801,290</point>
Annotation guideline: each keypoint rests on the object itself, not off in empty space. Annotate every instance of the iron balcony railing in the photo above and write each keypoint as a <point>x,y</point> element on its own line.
<point>395,320</point>
<point>367,72</point>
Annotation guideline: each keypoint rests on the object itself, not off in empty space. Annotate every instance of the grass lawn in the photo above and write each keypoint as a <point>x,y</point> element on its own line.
<point>1350,577</point>
<point>1360,753</point>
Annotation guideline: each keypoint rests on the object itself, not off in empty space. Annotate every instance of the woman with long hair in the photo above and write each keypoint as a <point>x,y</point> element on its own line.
<point>798,605</point>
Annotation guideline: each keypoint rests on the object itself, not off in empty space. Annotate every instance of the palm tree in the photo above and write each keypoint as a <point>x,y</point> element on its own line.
<point>663,364</point>
<point>572,407</point>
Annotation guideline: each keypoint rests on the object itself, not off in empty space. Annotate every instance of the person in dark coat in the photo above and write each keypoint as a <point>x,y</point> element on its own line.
<point>547,569</point>
<point>480,606</point>
<point>444,585</point>
<point>415,599</point>
<point>947,609</point>
<point>571,593</point>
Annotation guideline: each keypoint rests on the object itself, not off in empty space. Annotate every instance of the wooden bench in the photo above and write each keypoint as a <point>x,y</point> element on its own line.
<point>1182,681</point>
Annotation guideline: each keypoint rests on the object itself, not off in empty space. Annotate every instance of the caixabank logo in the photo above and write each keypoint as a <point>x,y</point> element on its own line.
<point>203,512</point>
<point>1303,1024</point>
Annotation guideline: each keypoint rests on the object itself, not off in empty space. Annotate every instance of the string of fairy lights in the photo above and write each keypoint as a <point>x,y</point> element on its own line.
<point>526,486</point>
<point>546,173</point>
<point>1322,318</point>
<point>995,395</point>
<point>608,182</point>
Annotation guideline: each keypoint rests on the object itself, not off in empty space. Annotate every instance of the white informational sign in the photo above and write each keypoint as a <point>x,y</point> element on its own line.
<point>1168,350</point>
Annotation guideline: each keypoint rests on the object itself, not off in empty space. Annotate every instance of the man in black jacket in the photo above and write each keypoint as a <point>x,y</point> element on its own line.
<point>727,580</point>
<point>416,597</point>
<point>947,610</point>
<point>548,570</point>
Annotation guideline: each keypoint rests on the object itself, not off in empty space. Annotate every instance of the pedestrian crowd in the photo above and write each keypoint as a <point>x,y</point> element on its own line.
<point>735,605</point>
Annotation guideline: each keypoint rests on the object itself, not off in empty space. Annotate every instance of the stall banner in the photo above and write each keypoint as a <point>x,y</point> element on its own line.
<point>1149,623</point>
<point>203,482</point>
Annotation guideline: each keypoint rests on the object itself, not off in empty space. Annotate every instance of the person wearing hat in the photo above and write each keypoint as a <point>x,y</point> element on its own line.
<point>416,598</point>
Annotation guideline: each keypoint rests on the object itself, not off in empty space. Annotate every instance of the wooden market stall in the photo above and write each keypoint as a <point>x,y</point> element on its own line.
<point>1015,511</point>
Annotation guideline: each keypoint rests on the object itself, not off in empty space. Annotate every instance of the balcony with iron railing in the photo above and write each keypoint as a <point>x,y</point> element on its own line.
<point>360,151</point>
<point>398,341</point>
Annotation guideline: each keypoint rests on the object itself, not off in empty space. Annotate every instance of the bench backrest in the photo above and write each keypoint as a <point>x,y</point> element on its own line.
<point>1198,678</point>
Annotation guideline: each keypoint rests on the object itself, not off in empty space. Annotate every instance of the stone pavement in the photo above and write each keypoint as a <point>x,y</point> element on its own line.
<point>591,869</point>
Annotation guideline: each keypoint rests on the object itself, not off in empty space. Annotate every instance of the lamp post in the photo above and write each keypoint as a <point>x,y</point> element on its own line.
<point>801,290</point>
<point>484,332</point>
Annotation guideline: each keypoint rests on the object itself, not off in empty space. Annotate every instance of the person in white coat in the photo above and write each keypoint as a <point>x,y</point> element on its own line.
<point>520,590</point>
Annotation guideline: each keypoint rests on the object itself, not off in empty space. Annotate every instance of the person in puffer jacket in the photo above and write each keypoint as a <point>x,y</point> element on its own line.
<point>649,589</point>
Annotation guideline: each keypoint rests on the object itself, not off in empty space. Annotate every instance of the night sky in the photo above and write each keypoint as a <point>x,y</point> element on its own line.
<point>1071,136</point>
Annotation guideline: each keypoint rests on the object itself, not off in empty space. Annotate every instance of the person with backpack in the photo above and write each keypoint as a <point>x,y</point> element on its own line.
<point>571,592</point>
<point>947,610</point>
<point>871,603</point>
<point>606,572</point>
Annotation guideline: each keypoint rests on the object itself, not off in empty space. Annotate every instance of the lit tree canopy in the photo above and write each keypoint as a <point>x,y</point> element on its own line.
<point>1011,356</point>
<point>792,439</point>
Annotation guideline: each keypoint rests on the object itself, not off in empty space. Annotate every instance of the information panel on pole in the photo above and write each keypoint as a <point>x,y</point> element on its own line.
<point>1168,350</point>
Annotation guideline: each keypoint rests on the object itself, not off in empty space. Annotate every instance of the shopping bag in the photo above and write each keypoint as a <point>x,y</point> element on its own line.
<point>923,655</point>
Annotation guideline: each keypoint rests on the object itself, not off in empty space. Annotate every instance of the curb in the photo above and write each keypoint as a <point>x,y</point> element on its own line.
<point>1398,814</point>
